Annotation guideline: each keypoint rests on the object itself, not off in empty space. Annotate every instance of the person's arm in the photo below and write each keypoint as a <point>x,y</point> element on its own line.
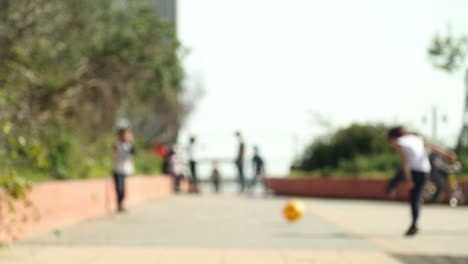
<point>451,156</point>
<point>403,161</point>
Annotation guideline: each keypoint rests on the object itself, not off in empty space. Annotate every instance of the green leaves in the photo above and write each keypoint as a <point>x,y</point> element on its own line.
<point>448,52</point>
<point>14,186</point>
<point>355,148</point>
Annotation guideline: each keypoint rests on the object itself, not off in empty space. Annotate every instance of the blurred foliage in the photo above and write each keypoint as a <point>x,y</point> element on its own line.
<point>81,64</point>
<point>68,71</point>
<point>449,53</point>
<point>353,150</point>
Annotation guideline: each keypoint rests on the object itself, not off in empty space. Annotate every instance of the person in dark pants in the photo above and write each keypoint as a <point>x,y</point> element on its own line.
<point>439,177</point>
<point>240,162</point>
<point>393,183</point>
<point>191,149</point>
<point>216,177</point>
<point>124,150</point>
<point>258,165</point>
<point>415,166</point>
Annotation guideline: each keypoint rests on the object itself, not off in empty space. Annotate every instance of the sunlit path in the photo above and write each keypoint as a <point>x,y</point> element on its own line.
<point>241,229</point>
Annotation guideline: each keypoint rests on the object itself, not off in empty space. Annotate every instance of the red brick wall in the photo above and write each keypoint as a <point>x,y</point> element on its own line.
<point>338,188</point>
<point>61,203</point>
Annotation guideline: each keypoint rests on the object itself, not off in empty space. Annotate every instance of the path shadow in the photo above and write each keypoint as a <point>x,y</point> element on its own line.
<point>426,259</point>
<point>302,235</point>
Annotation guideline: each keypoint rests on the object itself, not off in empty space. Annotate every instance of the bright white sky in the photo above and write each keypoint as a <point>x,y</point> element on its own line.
<point>268,65</point>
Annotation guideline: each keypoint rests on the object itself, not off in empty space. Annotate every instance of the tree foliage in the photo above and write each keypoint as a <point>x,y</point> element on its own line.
<point>448,52</point>
<point>359,147</point>
<point>77,63</point>
<point>69,69</point>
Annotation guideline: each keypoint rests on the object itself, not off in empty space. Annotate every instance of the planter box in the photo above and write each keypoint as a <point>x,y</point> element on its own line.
<point>60,203</point>
<point>338,188</point>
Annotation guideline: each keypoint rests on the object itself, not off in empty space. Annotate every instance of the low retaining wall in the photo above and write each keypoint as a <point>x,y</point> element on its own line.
<point>61,203</point>
<point>338,188</point>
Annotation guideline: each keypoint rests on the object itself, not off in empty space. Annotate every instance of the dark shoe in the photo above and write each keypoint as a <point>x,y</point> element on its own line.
<point>413,230</point>
<point>121,210</point>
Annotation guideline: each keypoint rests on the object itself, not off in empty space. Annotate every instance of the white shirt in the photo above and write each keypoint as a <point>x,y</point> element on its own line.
<point>192,152</point>
<point>123,162</point>
<point>415,152</point>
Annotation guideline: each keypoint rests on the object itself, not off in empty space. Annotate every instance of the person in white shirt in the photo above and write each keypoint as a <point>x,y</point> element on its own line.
<point>124,150</point>
<point>192,159</point>
<point>415,166</point>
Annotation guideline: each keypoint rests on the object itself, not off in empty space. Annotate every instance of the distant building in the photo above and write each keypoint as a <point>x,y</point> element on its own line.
<point>167,10</point>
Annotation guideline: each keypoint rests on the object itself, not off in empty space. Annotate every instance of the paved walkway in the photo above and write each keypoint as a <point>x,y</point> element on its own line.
<point>237,229</point>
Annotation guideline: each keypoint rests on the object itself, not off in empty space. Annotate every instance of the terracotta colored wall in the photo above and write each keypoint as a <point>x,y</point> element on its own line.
<point>338,188</point>
<point>61,203</point>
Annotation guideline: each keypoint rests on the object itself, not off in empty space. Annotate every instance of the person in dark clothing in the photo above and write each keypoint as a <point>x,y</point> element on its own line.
<point>258,165</point>
<point>415,166</point>
<point>191,154</point>
<point>239,162</point>
<point>393,183</point>
<point>439,177</point>
<point>216,177</point>
<point>124,150</point>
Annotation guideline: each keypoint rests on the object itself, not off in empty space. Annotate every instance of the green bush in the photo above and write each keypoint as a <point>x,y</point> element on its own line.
<point>355,148</point>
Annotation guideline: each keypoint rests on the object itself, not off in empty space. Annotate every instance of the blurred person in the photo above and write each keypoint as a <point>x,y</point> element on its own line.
<point>162,151</point>
<point>216,177</point>
<point>439,175</point>
<point>239,161</point>
<point>393,183</point>
<point>258,165</point>
<point>415,166</point>
<point>124,150</point>
<point>175,167</point>
<point>192,159</point>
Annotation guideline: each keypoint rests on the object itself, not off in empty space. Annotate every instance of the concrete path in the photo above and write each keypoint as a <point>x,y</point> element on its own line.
<point>239,229</point>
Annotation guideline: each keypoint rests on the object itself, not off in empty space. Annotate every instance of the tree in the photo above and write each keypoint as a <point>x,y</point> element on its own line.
<point>449,53</point>
<point>346,149</point>
<point>68,69</point>
<point>68,66</point>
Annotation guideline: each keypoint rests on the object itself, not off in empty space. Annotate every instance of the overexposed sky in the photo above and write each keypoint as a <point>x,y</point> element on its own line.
<point>267,66</point>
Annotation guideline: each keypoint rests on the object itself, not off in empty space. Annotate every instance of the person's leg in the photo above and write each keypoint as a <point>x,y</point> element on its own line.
<point>119,189</point>
<point>116,188</point>
<point>394,182</point>
<point>439,182</point>
<point>175,180</point>
<point>216,186</point>
<point>419,179</point>
<point>193,172</point>
<point>122,189</point>
<point>241,178</point>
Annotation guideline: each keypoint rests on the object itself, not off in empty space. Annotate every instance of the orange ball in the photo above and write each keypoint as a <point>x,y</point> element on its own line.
<point>293,210</point>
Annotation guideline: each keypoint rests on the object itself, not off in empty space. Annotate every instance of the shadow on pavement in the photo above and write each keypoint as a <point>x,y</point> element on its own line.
<point>302,235</point>
<point>421,259</point>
